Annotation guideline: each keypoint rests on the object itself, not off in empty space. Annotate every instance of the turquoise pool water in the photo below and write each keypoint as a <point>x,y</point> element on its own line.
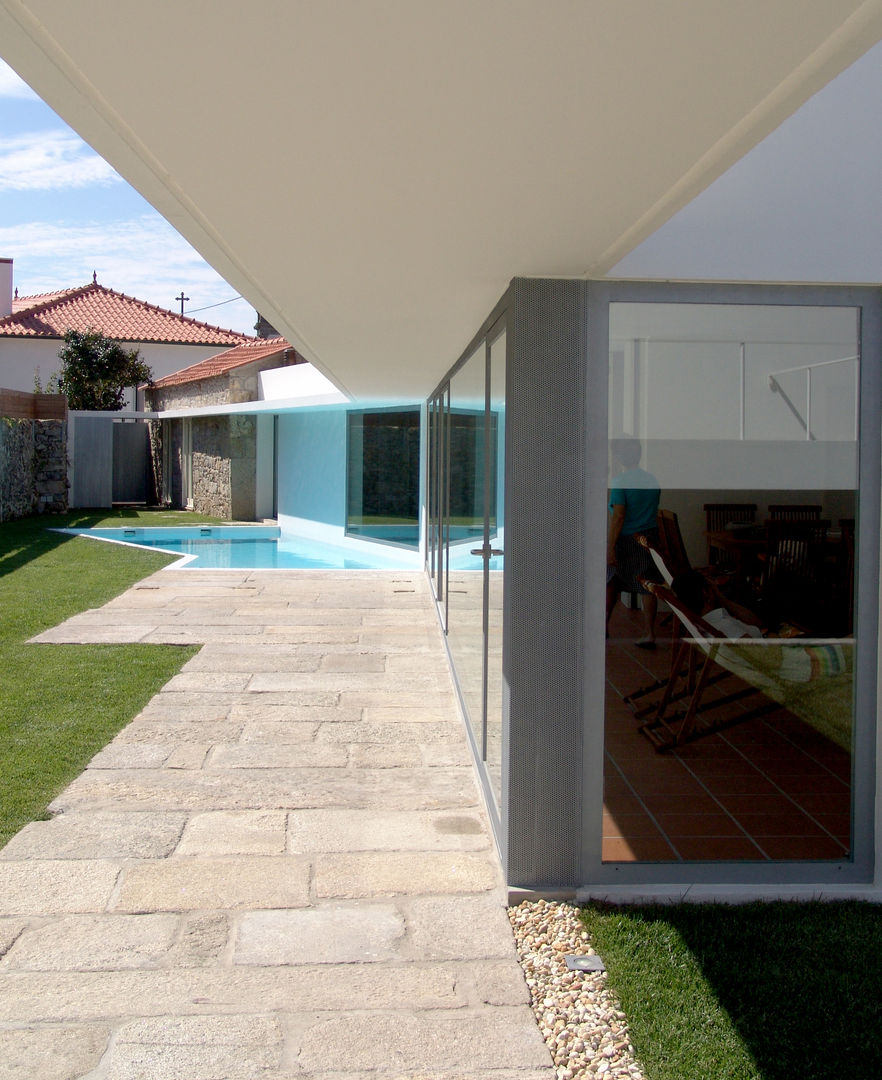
<point>243,547</point>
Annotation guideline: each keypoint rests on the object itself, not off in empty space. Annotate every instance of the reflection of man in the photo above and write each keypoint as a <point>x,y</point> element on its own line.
<point>633,506</point>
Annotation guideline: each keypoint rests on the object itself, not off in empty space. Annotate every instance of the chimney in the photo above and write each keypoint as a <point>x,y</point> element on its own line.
<point>265,329</point>
<point>5,287</point>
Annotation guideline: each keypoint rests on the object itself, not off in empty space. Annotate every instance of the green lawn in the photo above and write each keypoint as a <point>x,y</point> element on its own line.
<point>59,704</point>
<point>777,991</point>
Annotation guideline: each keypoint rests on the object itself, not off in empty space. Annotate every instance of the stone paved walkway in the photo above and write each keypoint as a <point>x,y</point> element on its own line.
<point>281,868</point>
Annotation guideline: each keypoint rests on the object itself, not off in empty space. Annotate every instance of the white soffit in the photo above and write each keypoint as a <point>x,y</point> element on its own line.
<point>371,173</point>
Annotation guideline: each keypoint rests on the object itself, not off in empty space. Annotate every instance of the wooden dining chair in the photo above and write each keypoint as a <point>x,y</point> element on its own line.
<point>793,584</point>
<point>673,549</point>
<point>795,512</point>
<point>719,515</point>
<point>844,578</point>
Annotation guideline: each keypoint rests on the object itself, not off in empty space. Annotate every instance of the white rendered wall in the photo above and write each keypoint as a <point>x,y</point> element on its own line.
<point>298,381</point>
<point>312,480</point>
<point>23,358</point>
<point>312,473</point>
<point>263,498</point>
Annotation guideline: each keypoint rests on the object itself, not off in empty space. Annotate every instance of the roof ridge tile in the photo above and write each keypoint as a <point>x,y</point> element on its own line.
<point>118,315</point>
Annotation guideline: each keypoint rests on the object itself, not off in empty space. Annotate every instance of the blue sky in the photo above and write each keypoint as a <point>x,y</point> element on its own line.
<point>65,212</point>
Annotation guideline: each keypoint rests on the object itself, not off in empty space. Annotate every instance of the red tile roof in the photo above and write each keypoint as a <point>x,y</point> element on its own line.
<point>21,303</point>
<point>120,317</point>
<point>247,353</point>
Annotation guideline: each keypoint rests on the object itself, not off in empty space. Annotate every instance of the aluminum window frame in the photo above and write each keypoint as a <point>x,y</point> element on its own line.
<point>860,867</point>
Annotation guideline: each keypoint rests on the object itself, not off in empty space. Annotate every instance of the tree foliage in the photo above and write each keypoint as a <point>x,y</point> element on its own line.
<point>96,371</point>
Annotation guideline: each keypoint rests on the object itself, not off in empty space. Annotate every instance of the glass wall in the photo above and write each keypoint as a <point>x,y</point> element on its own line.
<point>382,498</point>
<point>466,433</point>
<point>464,537</point>
<point>733,513</point>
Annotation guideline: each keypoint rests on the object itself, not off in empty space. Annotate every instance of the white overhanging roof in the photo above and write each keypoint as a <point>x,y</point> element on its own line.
<point>370,174</point>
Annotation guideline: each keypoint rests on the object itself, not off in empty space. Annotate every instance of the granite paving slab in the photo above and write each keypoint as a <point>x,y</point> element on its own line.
<point>282,867</point>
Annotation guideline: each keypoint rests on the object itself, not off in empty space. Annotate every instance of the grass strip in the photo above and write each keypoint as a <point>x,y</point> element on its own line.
<point>59,704</point>
<point>762,991</point>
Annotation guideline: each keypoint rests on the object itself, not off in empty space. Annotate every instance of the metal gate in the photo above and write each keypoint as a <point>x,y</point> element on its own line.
<point>131,462</point>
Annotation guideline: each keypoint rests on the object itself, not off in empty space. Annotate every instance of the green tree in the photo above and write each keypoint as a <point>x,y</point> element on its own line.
<point>96,371</point>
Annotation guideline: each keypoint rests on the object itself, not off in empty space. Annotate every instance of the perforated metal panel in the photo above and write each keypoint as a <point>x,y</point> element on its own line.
<point>545,467</point>
<point>92,453</point>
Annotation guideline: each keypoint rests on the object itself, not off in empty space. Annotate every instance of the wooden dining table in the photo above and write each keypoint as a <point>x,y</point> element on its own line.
<point>739,546</point>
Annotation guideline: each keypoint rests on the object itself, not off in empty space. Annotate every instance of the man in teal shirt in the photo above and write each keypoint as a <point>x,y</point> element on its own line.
<point>633,506</point>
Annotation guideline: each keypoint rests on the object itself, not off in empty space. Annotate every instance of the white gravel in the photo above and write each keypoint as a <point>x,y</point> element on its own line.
<point>585,1029</point>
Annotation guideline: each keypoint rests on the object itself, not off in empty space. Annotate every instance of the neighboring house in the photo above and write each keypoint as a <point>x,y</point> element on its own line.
<point>210,463</point>
<point>32,329</point>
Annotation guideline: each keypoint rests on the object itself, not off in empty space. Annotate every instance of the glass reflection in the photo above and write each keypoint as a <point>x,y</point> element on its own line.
<point>465,579</point>
<point>383,475</point>
<point>494,584</point>
<point>729,736</point>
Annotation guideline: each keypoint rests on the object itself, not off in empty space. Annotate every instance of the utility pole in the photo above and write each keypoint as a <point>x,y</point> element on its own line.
<point>182,298</point>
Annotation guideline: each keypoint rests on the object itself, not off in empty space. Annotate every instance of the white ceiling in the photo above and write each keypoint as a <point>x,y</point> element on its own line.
<point>370,174</point>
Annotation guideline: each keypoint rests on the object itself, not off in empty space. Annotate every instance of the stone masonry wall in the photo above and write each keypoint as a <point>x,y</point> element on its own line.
<point>212,490</point>
<point>33,467</point>
<point>224,447</point>
<point>190,395</point>
<point>50,465</point>
<point>235,386</point>
<point>243,467</point>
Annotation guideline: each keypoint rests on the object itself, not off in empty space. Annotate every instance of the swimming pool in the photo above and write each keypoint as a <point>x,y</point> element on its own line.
<point>248,547</point>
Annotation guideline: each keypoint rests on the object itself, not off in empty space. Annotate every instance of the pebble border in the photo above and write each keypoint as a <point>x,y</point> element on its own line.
<point>580,1020</point>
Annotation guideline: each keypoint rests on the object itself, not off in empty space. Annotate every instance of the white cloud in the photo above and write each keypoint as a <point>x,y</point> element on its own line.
<point>50,160</point>
<point>11,86</point>
<point>142,257</point>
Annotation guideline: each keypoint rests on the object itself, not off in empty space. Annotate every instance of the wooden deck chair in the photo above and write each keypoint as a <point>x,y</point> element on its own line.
<point>633,699</point>
<point>701,658</point>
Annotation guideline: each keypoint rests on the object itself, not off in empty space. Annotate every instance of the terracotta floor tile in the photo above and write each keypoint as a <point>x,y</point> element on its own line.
<point>676,825</point>
<point>837,824</point>
<point>629,826</point>
<point>774,760</point>
<point>791,824</point>
<point>756,803</point>
<point>710,749</point>
<point>750,766</point>
<point>643,849</point>
<point>622,804</point>
<point>631,747</point>
<point>712,771</point>
<point>648,783</point>
<point>717,848</point>
<point>801,847</point>
<point>681,804</point>
<point>745,784</point>
<point>826,802</point>
<point>797,784</point>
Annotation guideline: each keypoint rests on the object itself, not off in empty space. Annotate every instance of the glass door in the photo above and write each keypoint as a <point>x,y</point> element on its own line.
<point>733,509</point>
<point>465,537</point>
